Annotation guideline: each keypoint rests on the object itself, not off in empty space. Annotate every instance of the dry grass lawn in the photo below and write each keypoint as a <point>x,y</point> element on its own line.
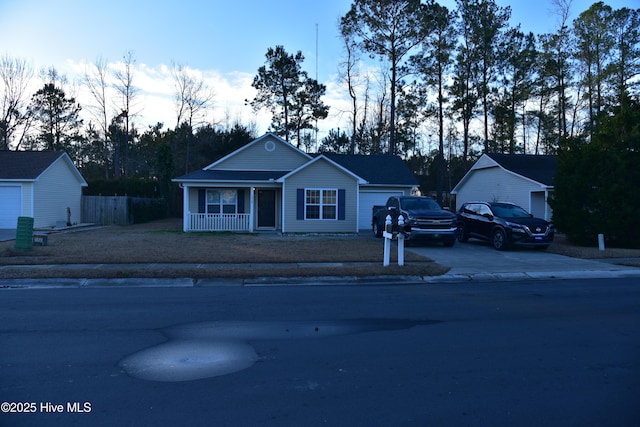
<point>563,247</point>
<point>164,242</point>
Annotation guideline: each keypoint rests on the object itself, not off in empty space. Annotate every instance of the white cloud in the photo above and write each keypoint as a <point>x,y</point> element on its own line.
<point>154,102</point>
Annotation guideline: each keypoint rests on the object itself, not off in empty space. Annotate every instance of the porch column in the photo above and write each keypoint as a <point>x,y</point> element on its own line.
<point>251,208</point>
<point>185,208</point>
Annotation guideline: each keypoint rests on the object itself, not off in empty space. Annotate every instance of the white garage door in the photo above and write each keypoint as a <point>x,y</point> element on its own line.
<point>10,209</point>
<point>368,199</point>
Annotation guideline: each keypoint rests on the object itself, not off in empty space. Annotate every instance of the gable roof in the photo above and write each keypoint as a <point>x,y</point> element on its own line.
<point>372,170</point>
<point>376,169</point>
<point>331,162</point>
<point>537,168</point>
<point>540,168</point>
<point>29,165</point>
<point>266,136</point>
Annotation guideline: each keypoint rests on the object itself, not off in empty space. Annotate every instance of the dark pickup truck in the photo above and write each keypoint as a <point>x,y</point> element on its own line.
<point>423,217</point>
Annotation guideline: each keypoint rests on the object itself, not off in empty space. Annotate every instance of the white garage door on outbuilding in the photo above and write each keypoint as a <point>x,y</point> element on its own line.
<point>368,199</point>
<point>40,185</point>
<point>10,205</point>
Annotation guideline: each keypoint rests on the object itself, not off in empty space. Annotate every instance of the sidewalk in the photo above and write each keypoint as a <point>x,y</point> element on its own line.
<point>589,269</point>
<point>467,262</point>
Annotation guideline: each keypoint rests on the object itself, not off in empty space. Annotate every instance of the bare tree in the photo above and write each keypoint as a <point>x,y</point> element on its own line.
<point>350,76</point>
<point>389,29</point>
<point>95,80</point>
<point>15,76</point>
<point>562,10</point>
<point>124,86</point>
<point>193,97</point>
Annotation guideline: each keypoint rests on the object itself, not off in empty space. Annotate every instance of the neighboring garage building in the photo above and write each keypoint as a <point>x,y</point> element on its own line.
<point>44,185</point>
<point>523,179</point>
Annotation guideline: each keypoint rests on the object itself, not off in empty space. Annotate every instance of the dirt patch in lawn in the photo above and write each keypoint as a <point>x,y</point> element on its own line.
<point>164,242</point>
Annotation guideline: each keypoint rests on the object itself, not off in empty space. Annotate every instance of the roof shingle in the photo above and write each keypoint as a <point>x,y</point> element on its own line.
<point>540,168</point>
<point>26,165</point>
<point>378,169</point>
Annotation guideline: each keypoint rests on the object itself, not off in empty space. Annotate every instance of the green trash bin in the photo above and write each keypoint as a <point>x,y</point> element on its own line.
<point>24,233</point>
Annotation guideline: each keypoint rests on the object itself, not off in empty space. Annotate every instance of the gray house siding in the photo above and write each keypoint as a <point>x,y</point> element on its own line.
<point>56,190</point>
<point>320,175</point>
<point>264,154</point>
<point>496,185</point>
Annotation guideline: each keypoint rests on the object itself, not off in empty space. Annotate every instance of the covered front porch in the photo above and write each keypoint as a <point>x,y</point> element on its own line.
<point>236,209</point>
<point>219,222</point>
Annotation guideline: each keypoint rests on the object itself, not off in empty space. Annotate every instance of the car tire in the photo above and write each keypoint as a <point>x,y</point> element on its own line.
<point>461,233</point>
<point>377,230</point>
<point>499,239</point>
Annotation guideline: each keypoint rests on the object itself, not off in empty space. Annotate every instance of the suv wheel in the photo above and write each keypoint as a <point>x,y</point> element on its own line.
<point>377,230</point>
<point>461,233</point>
<point>499,239</point>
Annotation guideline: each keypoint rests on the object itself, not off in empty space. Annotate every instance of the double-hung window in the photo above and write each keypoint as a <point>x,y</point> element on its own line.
<point>321,203</point>
<point>222,201</point>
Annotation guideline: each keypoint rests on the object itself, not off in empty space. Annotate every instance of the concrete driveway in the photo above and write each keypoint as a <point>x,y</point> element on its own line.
<point>476,258</point>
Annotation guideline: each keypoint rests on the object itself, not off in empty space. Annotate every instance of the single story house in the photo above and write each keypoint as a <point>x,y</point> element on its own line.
<point>269,184</point>
<point>44,185</point>
<point>523,179</point>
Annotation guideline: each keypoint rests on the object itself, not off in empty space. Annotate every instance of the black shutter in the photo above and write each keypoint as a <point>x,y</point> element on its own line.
<point>202,199</point>
<point>300,204</point>
<point>341,203</point>
<point>240,200</point>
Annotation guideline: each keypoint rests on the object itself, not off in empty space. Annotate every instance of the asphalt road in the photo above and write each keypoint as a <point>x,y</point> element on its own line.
<point>553,353</point>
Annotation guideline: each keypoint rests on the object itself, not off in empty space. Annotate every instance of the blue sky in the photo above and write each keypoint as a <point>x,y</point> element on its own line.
<point>224,41</point>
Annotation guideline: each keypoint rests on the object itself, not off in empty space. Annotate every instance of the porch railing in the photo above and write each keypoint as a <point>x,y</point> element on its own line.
<point>219,222</point>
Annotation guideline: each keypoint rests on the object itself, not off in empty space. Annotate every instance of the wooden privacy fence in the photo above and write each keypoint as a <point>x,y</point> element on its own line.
<point>118,210</point>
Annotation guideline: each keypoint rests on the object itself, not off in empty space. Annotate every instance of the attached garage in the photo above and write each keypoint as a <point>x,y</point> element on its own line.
<point>385,176</point>
<point>369,199</point>
<point>44,185</point>
<point>11,202</point>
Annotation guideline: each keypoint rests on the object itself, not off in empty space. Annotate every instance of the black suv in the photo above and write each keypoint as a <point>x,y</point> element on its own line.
<point>502,224</point>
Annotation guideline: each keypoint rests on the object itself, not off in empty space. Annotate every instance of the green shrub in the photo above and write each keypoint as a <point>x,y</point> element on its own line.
<point>597,183</point>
